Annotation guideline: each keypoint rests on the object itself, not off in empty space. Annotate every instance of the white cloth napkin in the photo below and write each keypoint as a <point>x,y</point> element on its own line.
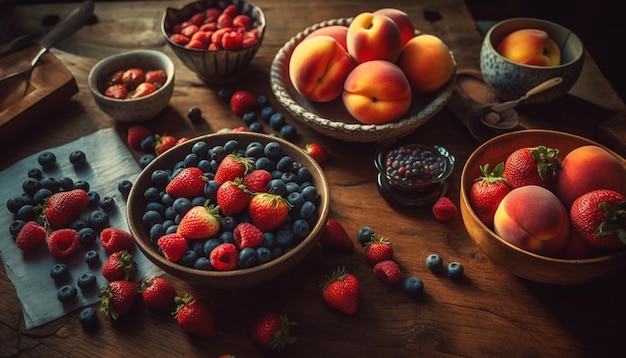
<point>109,163</point>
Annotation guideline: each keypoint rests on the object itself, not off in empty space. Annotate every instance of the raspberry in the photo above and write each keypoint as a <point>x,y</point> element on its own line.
<point>224,257</point>
<point>247,235</point>
<point>115,239</point>
<point>173,246</point>
<point>444,209</point>
<point>388,272</point>
<point>63,242</point>
<point>30,236</point>
<point>257,180</point>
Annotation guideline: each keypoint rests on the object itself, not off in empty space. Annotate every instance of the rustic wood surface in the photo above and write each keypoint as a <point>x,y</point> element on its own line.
<point>489,313</point>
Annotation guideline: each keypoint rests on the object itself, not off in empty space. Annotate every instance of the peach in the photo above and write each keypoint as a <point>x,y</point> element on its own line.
<point>337,32</point>
<point>318,68</point>
<point>373,37</point>
<point>589,168</point>
<point>530,47</point>
<point>427,62</point>
<point>402,20</point>
<point>532,218</point>
<point>376,92</point>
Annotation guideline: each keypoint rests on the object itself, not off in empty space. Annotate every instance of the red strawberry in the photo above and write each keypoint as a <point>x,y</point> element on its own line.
<point>257,180</point>
<point>388,271</point>
<point>195,316</point>
<point>119,265</point>
<point>532,166</point>
<point>173,246</point>
<point>232,40</point>
<point>600,218</point>
<point>233,197</point>
<point>31,236</point>
<point>118,298</point>
<point>63,242</point>
<point>487,192</point>
<point>136,134</point>
<point>132,77</point>
<point>268,211</point>
<point>377,250</point>
<point>247,235</point>
<point>115,239</point>
<point>272,331</point>
<point>143,90</point>
<point>200,222</point>
<point>61,208</point>
<point>224,257</point>
<point>444,209</point>
<point>233,166</point>
<point>335,237</point>
<point>157,292</point>
<point>242,102</point>
<point>317,152</point>
<point>156,77</point>
<point>341,291</point>
<point>117,91</point>
<point>188,183</point>
<point>164,143</point>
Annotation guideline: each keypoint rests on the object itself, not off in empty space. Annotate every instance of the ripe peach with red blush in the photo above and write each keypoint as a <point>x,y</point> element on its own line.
<point>402,20</point>
<point>373,37</point>
<point>337,32</point>
<point>427,62</point>
<point>530,47</point>
<point>532,218</point>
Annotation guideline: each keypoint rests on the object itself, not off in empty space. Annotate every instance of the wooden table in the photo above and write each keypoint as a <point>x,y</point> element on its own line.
<point>490,313</point>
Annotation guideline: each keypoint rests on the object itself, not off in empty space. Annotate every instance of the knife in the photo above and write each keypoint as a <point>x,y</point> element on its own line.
<point>17,44</point>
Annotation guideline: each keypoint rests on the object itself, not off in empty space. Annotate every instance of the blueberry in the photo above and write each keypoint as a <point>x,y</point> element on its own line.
<point>66,183</point>
<point>209,245</point>
<point>247,258</point>
<point>310,193</point>
<point>35,173</point>
<point>231,146</point>
<point>188,259</point>
<point>151,217</point>
<point>194,114</point>
<point>60,272</point>
<point>225,94</point>
<point>124,187</point>
<point>229,223</point>
<point>78,158</point>
<point>227,237</point>
<point>210,189</point>
<point>47,159</point>
<point>413,286</point>
<point>264,255</point>
<point>147,144</point>
<point>277,186</point>
<point>454,270</point>
<point>291,187</point>
<point>295,199</point>
<point>277,121</point>
<point>263,101</point>
<point>145,160</point>
<point>156,231</point>
<point>88,318</point>
<point>51,183</point>
<point>288,132</point>
<point>86,281</point>
<point>266,113</point>
<point>304,175</point>
<point>92,258</point>
<point>94,199</point>
<point>26,212</point>
<point>218,153</point>
<point>87,236</point>
<point>203,263</point>
<point>285,164</point>
<point>152,194</point>
<point>301,229</point>
<point>256,127</point>
<point>269,240</point>
<point>107,204</point>
<point>249,118</point>
<point>364,235</point>
<point>82,184</point>
<point>264,163</point>
<point>15,203</point>
<point>159,178</point>
<point>16,226</point>
<point>308,210</point>
<point>31,185</point>
<point>182,205</point>
<point>98,220</point>
<point>191,160</point>
<point>201,149</point>
<point>273,150</point>
<point>284,238</point>
<point>434,262</point>
<point>67,293</point>
<point>41,195</point>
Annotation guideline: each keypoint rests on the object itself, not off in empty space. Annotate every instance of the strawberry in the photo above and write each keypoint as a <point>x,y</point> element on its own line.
<point>144,89</point>
<point>599,217</point>
<point>268,211</point>
<point>335,237</point>
<point>173,246</point>
<point>195,316</point>
<point>132,77</point>
<point>317,152</point>
<point>224,257</point>
<point>232,40</point>
<point>532,166</point>
<point>257,180</point>
<point>242,102</point>
<point>200,222</point>
<point>272,331</point>
<point>31,236</point>
<point>157,292</point>
<point>444,209</point>
<point>63,242</point>
<point>233,197</point>
<point>388,271</point>
<point>378,249</point>
<point>231,167</point>
<point>163,143</point>
<point>247,235</point>
<point>117,91</point>
<point>119,265</point>
<point>136,134</point>
<point>188,183</point>
<point>61,208</point>
<point>115,239</point>
<point>118,298</point>
<point>156,77</point>
<point>487,192</point>
<point>341,291</point>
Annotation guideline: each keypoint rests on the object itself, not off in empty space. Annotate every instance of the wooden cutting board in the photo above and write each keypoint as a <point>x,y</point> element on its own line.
<point>51,85</point>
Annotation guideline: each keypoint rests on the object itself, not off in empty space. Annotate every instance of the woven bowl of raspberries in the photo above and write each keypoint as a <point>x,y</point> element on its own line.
<point>215,39</point>
<point>229,210</point>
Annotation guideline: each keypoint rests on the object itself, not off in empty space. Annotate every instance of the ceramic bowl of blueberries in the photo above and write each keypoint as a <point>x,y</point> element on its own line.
<point>561,268</point>
<point>511,80</point>
<point>133,86</point>
<point>294,175</point>
<point>200,34</point>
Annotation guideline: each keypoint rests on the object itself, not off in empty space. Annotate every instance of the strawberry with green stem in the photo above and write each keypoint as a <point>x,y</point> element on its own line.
<point>195,316</point>
<point>487,192</point>
<point>272,331</point>
<point>200,222</point>
<point>268,211</point>
<point>341,291</point>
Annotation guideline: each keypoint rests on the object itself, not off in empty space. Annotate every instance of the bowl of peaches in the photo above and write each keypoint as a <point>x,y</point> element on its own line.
<point>547,206</point>
<point>366,78</point>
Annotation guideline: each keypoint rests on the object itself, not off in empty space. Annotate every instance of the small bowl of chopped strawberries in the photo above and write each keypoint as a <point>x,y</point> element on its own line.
<point>133,86</point>
<point>215,39</point>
